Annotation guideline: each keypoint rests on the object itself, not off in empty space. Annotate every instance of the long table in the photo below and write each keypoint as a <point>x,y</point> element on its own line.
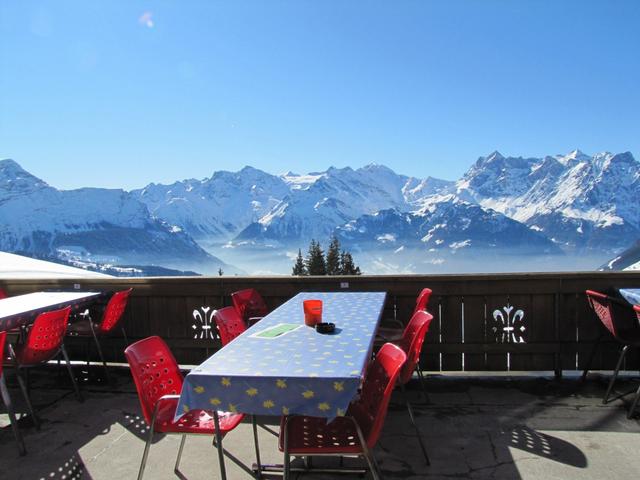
<point>22,309</point>
<point>631,295</point>
<point>299,372</point>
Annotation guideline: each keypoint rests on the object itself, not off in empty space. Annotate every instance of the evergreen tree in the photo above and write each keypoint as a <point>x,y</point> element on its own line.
<point>347,267</point>
<point>315,262</point>
<point>333,257</point>
<point>299,269</point>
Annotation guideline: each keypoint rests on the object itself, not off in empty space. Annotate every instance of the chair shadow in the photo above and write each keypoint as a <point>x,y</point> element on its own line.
<point>547,446</point>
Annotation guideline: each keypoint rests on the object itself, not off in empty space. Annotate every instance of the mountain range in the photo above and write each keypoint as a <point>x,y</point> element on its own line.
<point>570,211</point>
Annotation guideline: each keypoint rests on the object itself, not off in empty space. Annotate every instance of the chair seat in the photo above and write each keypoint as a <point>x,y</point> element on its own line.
<point>388,334</point>
<point>27,357</point>
<point>194,421</point>
<point>81,328</point>
<point>312,435</point>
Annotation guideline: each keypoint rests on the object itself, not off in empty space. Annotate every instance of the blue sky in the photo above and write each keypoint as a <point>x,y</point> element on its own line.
<point>123,93</point>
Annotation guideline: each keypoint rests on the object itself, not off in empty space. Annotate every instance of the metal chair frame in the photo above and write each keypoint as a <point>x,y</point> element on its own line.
<point>20,366</point>
<point>607,303</point>
<point>172,369</point>
<point>86,316</point>
<point>367,453</point>
<point>6,398</point>
<point>375,411</point>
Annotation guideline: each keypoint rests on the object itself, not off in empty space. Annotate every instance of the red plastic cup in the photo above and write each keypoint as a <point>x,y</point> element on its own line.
<point>312,312</point>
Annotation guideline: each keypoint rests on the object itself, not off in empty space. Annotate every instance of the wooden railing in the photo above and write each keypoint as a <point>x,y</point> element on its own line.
<point>497,322</point>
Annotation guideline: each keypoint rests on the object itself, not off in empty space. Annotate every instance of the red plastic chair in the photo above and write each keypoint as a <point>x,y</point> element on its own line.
<point>394,334</point>
<point>3,294</point>
<point>43,342</point>
<point>621,322</point>
<point>87,328</point>
<point>411,343</point>
<point>250,305</point>
<point>7,399</point>
<point>229,324</point>
<point>358,431</point>
<point>159,382</point>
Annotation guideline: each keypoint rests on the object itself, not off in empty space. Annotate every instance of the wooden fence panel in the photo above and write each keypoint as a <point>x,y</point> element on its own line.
<point>559,324</point>
<point>474,332</point>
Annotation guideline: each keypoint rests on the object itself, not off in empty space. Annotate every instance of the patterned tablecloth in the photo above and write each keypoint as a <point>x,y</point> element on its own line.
<point>299,372</point>
<point>631,295</point>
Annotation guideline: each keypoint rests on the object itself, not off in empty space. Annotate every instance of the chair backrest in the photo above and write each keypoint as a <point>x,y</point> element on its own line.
<point>616,315</point>
<point>113,311</point>
<point>155,372</point>
<point>45,337</point>
<point>423,300</point>
<point>3,294</point>
<point>3,337</point>
<point>370,410</point>
<point>229,324</point>
<point>411,342</point>
<point>249,303</point>
<point>636,308</point>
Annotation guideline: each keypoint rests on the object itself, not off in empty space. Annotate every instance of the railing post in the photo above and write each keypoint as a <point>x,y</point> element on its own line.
<point>558,354</point>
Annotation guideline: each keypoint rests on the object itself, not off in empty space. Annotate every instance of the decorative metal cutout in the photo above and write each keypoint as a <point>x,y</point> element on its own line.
<point>203,328</point>
<point>508,328</point>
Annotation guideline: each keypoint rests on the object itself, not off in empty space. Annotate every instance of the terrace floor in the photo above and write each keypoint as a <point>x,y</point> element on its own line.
<point>474,427</point>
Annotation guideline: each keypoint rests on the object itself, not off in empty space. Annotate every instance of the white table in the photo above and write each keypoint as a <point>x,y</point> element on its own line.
<point>631,295</point>
<point>22,309</point>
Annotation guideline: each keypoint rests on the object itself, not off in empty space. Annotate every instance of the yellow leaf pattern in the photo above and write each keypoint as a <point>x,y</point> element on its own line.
<point>281,383</point>
<point>252,392</point>
<point>199,389</point>
<point>308,394</point>
<point>226,382</point>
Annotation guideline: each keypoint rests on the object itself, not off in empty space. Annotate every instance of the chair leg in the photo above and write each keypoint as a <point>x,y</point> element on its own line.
<point>71,375</point>
<point>634,404</point>
<point>592,354</point>
<point>615,373</point>
<point>143,463</point>
<point>368,455</point>
<point>25,394</point>
<point>176,469</point>
<point>415,426</point>
<point>216,421</point>
<point>104,363</point>
<point>422,383</point>
<point>287,458</point>
<point>12,417</point>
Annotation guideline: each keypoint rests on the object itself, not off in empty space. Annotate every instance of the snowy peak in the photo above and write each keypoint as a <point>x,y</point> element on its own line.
<point>14,180</point>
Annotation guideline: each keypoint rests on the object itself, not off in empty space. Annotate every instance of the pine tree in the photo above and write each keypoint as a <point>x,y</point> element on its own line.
<point>299,269</point>
<point>347,267</point>
<point>315,260</point>
<point>333,257</point>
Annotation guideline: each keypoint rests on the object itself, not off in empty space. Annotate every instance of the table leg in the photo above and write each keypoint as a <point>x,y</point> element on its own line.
<point>255,439</point>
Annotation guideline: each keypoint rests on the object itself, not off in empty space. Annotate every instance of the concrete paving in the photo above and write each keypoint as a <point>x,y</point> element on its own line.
<point>474,427</point>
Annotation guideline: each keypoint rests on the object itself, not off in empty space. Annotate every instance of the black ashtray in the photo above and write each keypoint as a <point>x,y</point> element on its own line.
<point>325,327</point>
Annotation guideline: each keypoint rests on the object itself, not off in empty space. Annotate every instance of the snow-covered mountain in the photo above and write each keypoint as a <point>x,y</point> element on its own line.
<point>102,225</point>
<point>218,207</point>
<point>579,201</point>
<point>573,205</point>
<point>449,225</point>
